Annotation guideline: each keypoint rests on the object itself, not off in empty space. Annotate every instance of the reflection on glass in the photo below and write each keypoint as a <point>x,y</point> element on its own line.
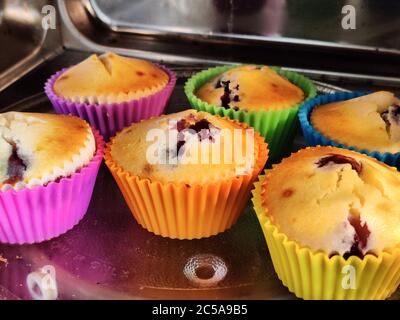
<point>42,284</point>
<point>376,21</point>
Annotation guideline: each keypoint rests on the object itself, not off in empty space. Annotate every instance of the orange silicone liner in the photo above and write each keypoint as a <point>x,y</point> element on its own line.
<point>181,211</point>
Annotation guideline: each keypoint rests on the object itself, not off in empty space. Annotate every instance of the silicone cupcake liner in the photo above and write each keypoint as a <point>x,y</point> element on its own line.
<point>32,215</point>
<point>315,275</point>
<point>314,137</point>
<point>278,127</point>
<point>181,211</point>
<point>109,118</point>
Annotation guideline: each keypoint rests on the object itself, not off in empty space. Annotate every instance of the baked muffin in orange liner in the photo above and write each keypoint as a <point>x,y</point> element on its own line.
<point>182,210</point>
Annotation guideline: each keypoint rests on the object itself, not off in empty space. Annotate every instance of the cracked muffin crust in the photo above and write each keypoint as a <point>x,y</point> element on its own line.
<point>335,200</point>
<point>250,88</point>
<point>36,149</point>
<point>186,161</point>
<point>110,78</point>
<point>370,122</point>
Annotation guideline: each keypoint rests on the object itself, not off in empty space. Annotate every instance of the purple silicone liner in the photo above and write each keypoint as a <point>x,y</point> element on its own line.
<point>113,117</point>
<point>33,215</point>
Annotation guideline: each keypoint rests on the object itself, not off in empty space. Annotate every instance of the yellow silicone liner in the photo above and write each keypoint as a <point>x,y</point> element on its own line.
<point>181,211</point>
<point>315,275</point>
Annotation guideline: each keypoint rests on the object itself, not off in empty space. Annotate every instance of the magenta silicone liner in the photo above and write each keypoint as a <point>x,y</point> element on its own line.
<point>113,117</point>
<point>32,215</point>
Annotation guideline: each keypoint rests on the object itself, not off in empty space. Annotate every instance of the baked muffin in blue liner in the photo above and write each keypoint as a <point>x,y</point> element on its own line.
<point>314,137</point>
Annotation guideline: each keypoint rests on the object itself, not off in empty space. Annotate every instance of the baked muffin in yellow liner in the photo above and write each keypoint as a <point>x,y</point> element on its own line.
<point>315,274</point>
<point>180,208</point>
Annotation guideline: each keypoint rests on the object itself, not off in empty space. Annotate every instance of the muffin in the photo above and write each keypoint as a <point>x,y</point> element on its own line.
<point>250,88</point>
<point>48,166</point>
<point>265,98</point>
<point>325,211</point>
<point>367,123</point>
<point>186,175</point>
<point>111,91</point>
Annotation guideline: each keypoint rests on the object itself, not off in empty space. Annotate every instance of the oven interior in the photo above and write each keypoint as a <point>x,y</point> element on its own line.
<point>108,255</point>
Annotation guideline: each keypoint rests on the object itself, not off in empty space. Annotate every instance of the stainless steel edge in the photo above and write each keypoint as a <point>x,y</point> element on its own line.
<point>48,46</point>
<point>137,28</point>
<point>74,39</point>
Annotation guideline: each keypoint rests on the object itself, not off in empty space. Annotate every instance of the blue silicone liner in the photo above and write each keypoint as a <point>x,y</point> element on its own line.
<point>314,138</point>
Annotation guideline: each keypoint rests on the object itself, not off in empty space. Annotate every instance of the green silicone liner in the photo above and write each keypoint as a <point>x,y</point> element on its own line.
<point>276,126</point>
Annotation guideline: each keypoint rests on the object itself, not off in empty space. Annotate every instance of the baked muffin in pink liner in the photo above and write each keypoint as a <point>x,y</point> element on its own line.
<point>111,92</point>
<point>52,165</point>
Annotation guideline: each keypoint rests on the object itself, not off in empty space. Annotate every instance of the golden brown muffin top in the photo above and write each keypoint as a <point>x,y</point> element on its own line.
<point>370,122</point>
<point>250,88</point>
<point>199,137</point>
<point>110,78</point>
<point>39,148</point>
<point>335,200</point>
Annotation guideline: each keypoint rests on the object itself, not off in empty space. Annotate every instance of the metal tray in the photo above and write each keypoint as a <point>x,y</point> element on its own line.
<point>109,256</point>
